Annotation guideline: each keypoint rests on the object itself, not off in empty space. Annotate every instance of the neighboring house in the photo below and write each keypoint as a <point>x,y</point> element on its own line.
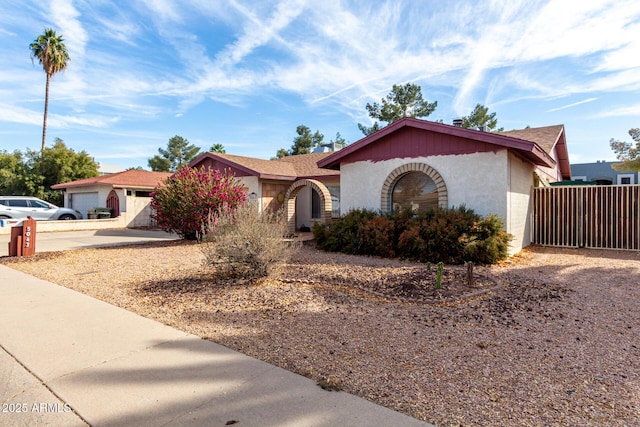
<point>413,164</point>
<point>314,192</point>
<point>602,173</point>
<point>127,194</point>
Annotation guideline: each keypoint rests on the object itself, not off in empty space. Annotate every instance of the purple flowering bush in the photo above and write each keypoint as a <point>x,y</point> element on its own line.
<point>184,202</point>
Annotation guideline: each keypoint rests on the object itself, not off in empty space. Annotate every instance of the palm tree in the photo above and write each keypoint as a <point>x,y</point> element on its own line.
<point>52,54</point>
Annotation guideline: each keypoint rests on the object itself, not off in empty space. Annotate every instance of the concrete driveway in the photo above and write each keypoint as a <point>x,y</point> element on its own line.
<point>70,240</point>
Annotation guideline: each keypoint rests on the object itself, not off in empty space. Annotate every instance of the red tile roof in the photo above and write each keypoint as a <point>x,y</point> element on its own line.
<point>129,179</point>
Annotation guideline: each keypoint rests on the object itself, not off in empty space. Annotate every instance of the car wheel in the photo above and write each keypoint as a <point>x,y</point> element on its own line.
<point>66,217</point>
<point>4,217</point>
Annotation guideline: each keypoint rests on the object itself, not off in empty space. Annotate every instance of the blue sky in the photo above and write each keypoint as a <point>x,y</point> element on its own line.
<point>245,74</point>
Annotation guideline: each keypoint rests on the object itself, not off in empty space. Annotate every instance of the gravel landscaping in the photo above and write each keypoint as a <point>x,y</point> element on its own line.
<point>551,337</point>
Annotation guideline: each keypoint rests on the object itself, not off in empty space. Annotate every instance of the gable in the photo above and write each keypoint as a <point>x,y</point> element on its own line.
<point>411,137</point>
<point>410,142</point>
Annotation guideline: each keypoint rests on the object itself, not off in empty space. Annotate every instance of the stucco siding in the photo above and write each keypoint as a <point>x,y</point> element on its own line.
<point>519,206</point>
<point>102,191</point>
<point>477,180</point>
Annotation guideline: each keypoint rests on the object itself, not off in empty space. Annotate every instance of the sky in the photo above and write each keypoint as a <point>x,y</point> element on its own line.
<point>245,74</point>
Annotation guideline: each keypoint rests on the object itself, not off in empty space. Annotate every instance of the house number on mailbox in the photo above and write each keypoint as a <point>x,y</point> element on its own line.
<point>27,237</point>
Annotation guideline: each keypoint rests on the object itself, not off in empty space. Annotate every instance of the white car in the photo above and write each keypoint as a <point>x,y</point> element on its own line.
<point>20,207</point>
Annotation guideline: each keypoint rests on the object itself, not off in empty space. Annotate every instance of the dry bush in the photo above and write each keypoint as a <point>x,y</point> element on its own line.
<point>246,243</point>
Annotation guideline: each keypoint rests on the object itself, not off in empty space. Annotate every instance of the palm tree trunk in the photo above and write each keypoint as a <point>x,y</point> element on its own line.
<point>46,110</point>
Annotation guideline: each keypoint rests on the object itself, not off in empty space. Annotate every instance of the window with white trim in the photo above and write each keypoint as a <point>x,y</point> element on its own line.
<point>625,178</point>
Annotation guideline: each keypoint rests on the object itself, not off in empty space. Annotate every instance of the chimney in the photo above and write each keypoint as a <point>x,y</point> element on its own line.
<point>457,122</point>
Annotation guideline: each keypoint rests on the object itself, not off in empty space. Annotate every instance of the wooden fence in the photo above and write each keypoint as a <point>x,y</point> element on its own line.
<point>605,217</point>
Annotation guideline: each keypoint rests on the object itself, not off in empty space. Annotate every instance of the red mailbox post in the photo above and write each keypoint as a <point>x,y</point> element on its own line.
<point>23,238</point>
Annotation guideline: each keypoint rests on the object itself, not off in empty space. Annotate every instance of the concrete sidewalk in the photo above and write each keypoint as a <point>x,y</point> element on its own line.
<point>68,359</point>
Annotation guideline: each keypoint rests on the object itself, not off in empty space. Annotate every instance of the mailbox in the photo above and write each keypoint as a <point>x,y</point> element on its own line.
<point>23,238</point>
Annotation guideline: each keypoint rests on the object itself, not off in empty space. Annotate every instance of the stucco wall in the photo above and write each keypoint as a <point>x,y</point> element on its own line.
<point>477,180</point>
<point>134,211</point>
<point>489,183</point>
<point>518,218</point>
<point>138,210</point>
<point>102,191</point>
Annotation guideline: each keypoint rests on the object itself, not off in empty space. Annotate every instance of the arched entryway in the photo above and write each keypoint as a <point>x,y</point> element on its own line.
<point>290,201</point>
<point>113,203</point>
<point>426,184</point>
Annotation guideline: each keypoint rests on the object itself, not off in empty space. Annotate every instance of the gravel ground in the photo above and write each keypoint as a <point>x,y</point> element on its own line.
<point>549,338</point>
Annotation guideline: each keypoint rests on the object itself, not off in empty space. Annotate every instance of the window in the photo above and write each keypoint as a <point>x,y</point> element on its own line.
<point>316,211</point>
<point>415,191</point>
<point>39,204</point>
<point>334,190</point>
<point>143,193</point>
<point>625,179</point>
<point>19,203</point>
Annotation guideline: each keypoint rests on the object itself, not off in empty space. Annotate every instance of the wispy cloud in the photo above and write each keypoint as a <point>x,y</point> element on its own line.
<point>631,110</point>
<point>584,101</point>
<point>133,63</point>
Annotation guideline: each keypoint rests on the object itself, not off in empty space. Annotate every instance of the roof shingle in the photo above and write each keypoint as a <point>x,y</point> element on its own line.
<point>131,178</point>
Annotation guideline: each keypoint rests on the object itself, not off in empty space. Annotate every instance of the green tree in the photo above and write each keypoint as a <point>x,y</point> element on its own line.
<point>480,116</point>
<point>57,165</point>
<point>403,101</point>
<point>303,143</point>
<point>339,139</point>
<point>283,152</point>
<point>12,174</point>
<point>217,148</point>
<point>179,151</point>
<point>53,56</point>
<point>627,152</point>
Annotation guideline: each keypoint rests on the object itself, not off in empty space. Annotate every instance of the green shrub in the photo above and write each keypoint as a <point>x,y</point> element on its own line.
<point>452,236</point>
<point>184,202</point>
<point>438,235</point>
<point>377,237</point>
<point>246,243</point>
<point>489,243</point>
<point>345,234</point>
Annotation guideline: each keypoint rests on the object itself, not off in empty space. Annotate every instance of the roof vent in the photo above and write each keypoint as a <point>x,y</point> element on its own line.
<point>457,122</point>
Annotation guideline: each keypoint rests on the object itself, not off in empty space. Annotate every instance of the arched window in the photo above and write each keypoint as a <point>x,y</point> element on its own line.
<point>415,191</point>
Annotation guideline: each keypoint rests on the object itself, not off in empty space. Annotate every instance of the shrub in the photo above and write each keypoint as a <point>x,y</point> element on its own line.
<point>488,242</point>
<point>345,234</point>
<point>246,243</point>
<point>377,237</point>
<point>438,235</point>
<point>452,235</point>
<point>184,202</point>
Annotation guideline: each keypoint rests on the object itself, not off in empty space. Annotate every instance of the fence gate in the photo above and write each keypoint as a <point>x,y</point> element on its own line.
<point>606,217</point>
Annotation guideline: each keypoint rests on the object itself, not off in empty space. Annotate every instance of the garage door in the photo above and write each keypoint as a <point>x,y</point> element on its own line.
<point>83,202</point>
